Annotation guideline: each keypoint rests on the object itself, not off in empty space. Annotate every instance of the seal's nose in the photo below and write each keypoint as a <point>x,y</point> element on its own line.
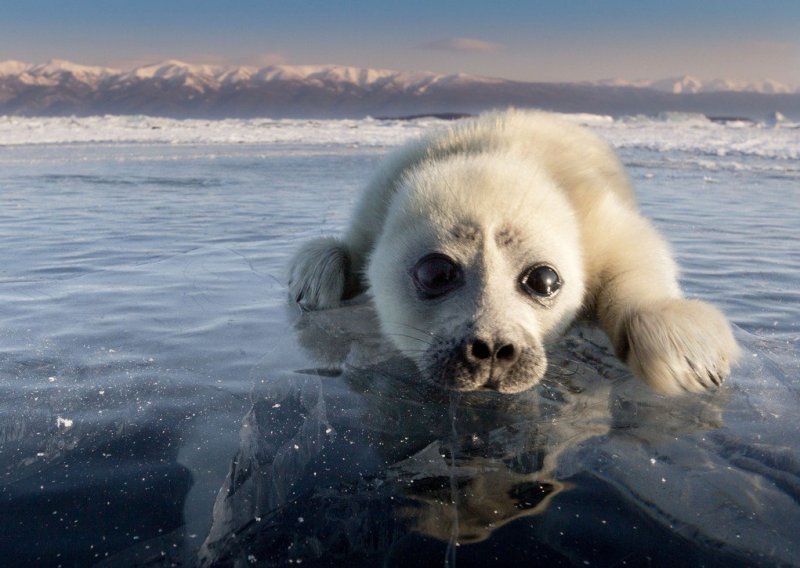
<point>498,354</point>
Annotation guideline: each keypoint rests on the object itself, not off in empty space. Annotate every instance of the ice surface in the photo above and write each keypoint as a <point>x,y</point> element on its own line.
<point>145,340</point>
<point>705,469</point>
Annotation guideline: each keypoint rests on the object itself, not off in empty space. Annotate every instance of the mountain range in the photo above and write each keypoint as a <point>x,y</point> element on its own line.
<point>181,90</point>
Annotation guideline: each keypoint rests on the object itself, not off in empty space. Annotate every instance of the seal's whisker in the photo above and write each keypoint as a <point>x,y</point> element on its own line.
<point>427,333</point>
<point>415,338</point>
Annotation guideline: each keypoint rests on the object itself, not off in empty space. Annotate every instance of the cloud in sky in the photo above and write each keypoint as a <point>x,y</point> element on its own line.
<point>774,48</point>
<point>462,44</point>
<point>264,59</point>
<point>259,59</point>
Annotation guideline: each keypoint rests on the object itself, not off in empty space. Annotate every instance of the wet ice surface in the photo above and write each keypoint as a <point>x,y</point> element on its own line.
<point>160,403</point>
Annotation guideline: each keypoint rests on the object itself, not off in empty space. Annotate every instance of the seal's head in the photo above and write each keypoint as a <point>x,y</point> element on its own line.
<point>478,266</point>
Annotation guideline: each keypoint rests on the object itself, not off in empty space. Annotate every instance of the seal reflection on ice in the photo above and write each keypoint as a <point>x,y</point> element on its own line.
<point>482,242</point>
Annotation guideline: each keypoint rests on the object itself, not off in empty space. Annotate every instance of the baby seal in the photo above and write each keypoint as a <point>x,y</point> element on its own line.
<point>481,243</point>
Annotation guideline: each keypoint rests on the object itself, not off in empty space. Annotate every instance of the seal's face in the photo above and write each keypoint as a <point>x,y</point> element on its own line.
<point>479,265</point>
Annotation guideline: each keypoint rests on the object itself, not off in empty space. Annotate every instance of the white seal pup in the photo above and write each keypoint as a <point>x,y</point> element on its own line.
<point>482,242</point>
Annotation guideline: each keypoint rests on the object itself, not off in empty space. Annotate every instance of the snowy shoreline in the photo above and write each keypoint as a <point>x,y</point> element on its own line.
<point>667,133</point>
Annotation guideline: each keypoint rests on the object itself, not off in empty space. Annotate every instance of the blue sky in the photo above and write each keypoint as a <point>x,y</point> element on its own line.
<point>526,40</point>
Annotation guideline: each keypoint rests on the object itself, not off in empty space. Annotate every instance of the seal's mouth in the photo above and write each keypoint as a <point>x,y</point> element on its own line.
<point>506,388</point>
<point>451,369</point>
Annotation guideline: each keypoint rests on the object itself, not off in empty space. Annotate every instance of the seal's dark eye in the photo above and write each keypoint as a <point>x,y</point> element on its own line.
<point>542,281</point>
<point>435,275</point>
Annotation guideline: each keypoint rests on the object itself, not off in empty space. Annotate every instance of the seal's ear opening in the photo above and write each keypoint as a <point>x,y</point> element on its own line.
<point>321,274</point>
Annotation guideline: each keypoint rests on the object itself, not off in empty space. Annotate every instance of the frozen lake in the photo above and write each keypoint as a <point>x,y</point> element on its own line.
<point>161,403</point>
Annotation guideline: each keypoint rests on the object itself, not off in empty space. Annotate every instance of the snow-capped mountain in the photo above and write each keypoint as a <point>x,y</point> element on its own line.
<point>53,72</point>
<point>692,85</point>
<point>175,88</point>
<point>12,68</point>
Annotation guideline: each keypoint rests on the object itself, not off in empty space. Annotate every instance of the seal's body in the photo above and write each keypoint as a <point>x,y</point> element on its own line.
<point>481,243</point>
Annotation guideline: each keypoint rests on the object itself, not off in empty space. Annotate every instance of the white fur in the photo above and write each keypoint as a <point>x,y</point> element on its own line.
<point>498,194</point>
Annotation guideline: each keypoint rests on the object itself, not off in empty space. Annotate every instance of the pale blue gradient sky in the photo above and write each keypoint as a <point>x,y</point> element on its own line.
<point>517,39</point>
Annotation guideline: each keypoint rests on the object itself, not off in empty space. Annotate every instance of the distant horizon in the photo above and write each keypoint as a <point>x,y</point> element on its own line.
<point>739,40</point>
<point>627,81</point>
